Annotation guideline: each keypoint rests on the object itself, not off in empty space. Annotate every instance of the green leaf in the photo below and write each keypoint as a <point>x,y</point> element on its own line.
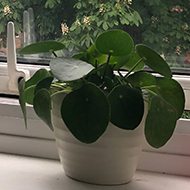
<point>42,47</point>
<point>29,94</point>
<point>94,56</point>
<point>160,122</point>
<point>44,83</point>
<point>133,59</point>
<point>118,61</point>
<point>153,60</point>
<point>42,106</point>
<point>105,25</point>
<point>38,75</point>
<point>95,79</point>
<point>69,69</point>
<point>172,92</point>
<point>86,113</point>
<point>127,107</point>
<point>109,83</point>
<point>21,87</point>
<point>116,42</point>
<point>32,82</point>
<point>143,80</point>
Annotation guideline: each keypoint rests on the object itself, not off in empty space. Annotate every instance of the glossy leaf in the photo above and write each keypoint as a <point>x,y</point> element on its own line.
<point>116,42</point>
<point>133,59</point>
<point>21,87</point>
<point>153,60</point>
<point>69,69</point>
<point>127,107</point>
<point>160,122</point>
<point>172,92</point>
<point>42,106</point>
<point>42,47</point>
<point>86,113</point>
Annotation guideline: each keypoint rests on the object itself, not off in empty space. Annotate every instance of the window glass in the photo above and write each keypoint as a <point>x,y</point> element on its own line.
<point>163,25</point>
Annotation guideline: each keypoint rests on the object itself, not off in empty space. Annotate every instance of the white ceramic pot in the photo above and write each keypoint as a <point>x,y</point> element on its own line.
<point>111,160</point>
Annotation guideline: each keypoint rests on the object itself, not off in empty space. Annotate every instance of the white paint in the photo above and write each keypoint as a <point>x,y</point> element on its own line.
<point>25,173</point>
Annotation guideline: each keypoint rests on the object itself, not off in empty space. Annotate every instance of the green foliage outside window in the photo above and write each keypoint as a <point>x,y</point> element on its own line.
<point>81,21</point>
<point>166,28</point>
<point>95,16</point>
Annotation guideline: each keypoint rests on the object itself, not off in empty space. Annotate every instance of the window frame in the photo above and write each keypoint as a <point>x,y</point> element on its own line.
<point>38,140</point>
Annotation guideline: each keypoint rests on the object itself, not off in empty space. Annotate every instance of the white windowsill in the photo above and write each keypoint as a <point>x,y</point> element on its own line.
<point>28,173</point>
<point>38,140</point>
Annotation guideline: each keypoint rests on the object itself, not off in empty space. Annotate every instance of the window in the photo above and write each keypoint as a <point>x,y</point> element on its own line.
<point>159,24</point>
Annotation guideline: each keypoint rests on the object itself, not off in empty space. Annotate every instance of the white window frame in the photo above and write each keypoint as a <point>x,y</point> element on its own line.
<point>38,140</point>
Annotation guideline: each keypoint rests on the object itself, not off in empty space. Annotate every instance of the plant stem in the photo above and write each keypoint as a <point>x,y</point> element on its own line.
<point>54,53</point>
<point>130,71</point>
<point>107,63</point>
<point>58,86</point>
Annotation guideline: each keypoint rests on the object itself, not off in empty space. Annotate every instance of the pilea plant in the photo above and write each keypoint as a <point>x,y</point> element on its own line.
<point>98,92</point>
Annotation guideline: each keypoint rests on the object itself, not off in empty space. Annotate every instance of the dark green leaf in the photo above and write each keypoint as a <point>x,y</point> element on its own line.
<point>143,80</point>
<point>42,47</point>
<point>69,69</point>
<point>116,42</point>
<point>109,83</point>
<point>21,87</point>
<point>39,75</point>
<point>127,107</point>
<point>44,83</point>
<point>160,122</point>
<point>95,79</point>
<point>42,106</point>
<point>172,92</point>
<point>32,82</point>
<point>29,94</point>
<point>86,113</point>
<point>153,60</point>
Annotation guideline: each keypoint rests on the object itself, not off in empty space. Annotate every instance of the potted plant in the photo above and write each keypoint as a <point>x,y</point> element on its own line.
<point>100,115</point>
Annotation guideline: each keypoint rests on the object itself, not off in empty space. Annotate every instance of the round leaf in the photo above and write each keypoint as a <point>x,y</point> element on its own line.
<point>69,69</point>
<point>39,75</point>
<point>32,82</point>
<point>118,61</point>
<point>116,42</point>
<point>86,113</point>
<point>160,122</point>
<point>127,107</point>
<point>133,59</point>
<point>153,60</point>
<point>44,83</point>
<point>94,56</point>
<point>42,106</point>
<point>42,47</point>
<point>172,92</point>
<point>143,80</point>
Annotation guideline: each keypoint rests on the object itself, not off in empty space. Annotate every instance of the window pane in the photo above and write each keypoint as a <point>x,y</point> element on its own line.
<point>163,25</point>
